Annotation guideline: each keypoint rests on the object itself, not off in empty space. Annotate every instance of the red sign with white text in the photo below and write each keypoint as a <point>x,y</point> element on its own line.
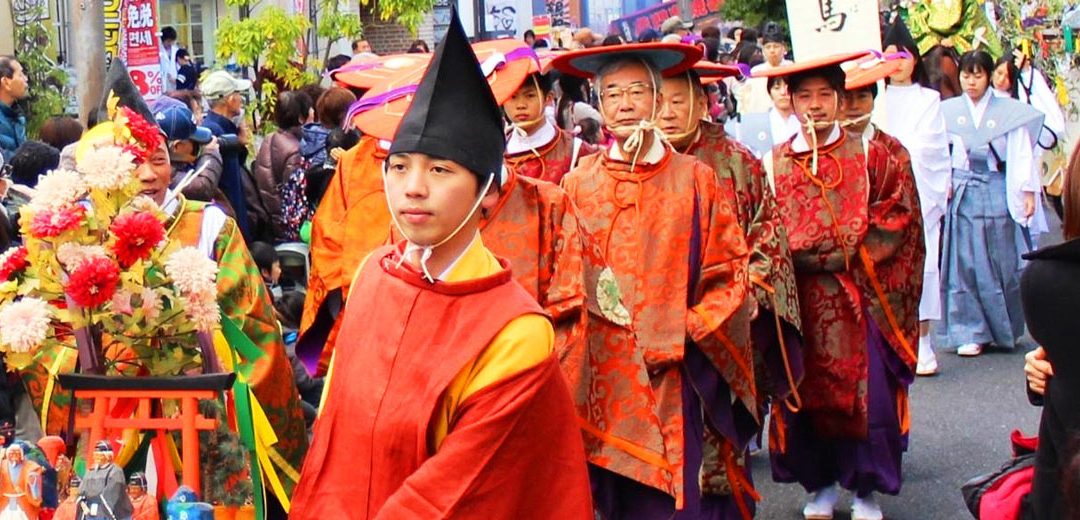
<point>139,46</point>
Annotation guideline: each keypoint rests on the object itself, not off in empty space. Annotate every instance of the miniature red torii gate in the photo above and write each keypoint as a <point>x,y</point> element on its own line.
<point>188,390</point>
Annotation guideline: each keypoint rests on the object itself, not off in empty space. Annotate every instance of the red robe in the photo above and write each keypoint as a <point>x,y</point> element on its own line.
<point>513,450</point>
<point>851,257</point>
<point>549,162</point>
<point>642,220</point>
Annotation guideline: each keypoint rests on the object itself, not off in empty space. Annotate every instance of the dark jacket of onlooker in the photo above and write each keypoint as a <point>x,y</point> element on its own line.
<point>234,175</point>
<point>204,187</point>
<point>278,157</point>
<point>12,130</point>
<point>1050,286</point>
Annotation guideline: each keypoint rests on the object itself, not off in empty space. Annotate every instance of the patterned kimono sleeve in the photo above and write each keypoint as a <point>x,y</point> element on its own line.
<point>719,323</point>
<point>243,298</point>
<point>564,296</point>
<point>764,222</point>
<point>894,201</point>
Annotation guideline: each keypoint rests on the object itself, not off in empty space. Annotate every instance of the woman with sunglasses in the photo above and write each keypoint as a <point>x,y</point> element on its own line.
<point>911,112</point>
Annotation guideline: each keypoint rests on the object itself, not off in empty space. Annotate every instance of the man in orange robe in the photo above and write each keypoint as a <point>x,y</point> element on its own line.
<point>672,431</point>
<point>444,398</point>
<point>351,221</point>
<point>144,505</point>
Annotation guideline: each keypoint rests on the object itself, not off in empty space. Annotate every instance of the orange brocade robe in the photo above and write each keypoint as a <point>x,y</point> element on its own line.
<point>30,475</point>
<point>533,226</point>
<point>680,259</point>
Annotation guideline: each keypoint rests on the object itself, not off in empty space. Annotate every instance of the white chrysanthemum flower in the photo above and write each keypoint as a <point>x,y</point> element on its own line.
<point>204,312</point>
<point>192,272</point>
<point>71,255</point>
<point>107,168</point>
<point>26,324</point>
<point>57,189</point>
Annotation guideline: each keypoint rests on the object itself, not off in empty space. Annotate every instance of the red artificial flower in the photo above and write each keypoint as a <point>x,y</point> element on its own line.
<point>137,234</point>
<point>51,223</point>
<point>146,134</point>
<point>13,263</point>
<point>93,282</point>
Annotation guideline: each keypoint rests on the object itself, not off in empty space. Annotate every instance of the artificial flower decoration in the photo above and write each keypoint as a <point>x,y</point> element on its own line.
<point>12,262</point>
<point>93,282</point>
<point>55,222</point>
<point>97,271</point>
<point>135,134</point>
<point>137,234</point>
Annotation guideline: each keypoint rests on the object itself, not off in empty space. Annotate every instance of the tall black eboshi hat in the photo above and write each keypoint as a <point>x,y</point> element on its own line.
<point>454,115</point>
<point>118,85</point>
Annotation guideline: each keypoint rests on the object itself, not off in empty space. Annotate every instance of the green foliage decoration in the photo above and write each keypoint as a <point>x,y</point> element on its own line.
<point>46,81</point>
<point>754,13</point>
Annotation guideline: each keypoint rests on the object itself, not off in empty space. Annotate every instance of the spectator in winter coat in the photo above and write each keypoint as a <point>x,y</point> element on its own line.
<point>224,93</point>
<point>278,157</point>
<point>13,87</point>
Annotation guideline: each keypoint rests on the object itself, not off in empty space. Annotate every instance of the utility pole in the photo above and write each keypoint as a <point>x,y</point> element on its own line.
<point>88,52</point>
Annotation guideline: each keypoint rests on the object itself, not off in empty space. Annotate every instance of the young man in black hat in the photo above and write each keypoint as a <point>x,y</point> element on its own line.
<point>444,398</point>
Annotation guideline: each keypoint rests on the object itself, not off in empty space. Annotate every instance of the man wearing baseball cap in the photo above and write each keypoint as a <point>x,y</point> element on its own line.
<point>225,121</point>
<point>194,153</point>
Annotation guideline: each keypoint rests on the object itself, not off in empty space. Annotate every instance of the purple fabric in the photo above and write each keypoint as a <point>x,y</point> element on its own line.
<point>863,466</point>
<point>733,421</point>
<point>617,497</point>
<point>763,337</point>
<point>367,103</point>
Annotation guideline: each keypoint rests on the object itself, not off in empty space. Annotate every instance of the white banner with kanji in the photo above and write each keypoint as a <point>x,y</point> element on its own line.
<point>824,27</point>
<point>139,46</point>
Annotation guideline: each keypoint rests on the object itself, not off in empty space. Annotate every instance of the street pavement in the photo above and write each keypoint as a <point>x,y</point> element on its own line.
<point>961,420</point>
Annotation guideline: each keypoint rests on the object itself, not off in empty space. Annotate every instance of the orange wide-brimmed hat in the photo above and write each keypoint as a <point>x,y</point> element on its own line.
<point>668,58</point>
<point>506,64</point>
<point>712,70</point>
<point>872,69</point>
<point>546,57</point>
<point>369,72</point>
<point>808,65</point>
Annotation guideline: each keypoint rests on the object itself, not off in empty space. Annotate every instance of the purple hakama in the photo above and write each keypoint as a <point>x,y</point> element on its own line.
<point>871,465</point>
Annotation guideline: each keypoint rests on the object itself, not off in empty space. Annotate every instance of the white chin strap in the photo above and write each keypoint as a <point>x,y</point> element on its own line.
<point>427,250</point>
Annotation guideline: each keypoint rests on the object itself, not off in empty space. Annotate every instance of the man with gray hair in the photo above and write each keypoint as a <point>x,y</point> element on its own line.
<point>13,87</point>
<point>670,440</point>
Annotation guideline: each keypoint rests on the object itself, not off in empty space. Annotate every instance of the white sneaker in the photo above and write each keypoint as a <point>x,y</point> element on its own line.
<point>969,350</point>
<point>820,504</point>
<point>927,364</point>
<point>866,509</point>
